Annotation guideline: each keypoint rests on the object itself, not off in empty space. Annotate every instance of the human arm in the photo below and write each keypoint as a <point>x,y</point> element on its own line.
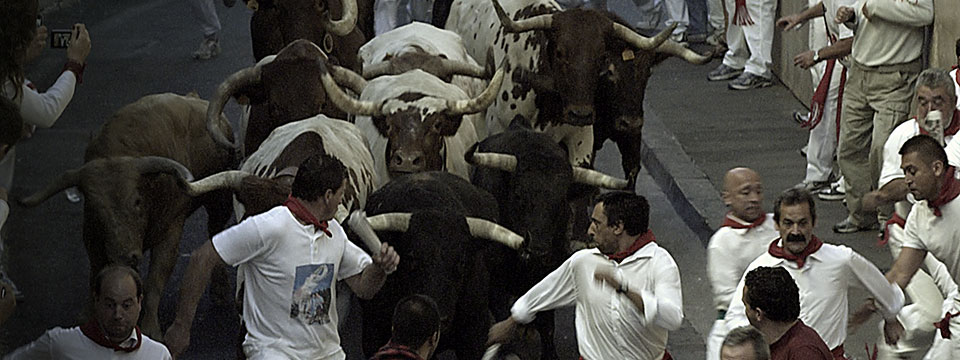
<point>887,296</point>
<point>723,269</point>
<point>195,280</point>
<point>905,266</point>
<point>847,16</point>
<point>891,192</point>
<point>44,109</point>
<point>891,184</point>
<point>367,283</point>
<point>797,19</point>
<point>557,289</point>
<point>838,50</point>
<point>910,13</point>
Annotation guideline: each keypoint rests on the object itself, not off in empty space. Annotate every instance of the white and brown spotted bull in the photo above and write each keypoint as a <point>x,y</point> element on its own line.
<point>415,121</point>
<point>279,89</point>
<point>559,59</point>
<point>133,185</point>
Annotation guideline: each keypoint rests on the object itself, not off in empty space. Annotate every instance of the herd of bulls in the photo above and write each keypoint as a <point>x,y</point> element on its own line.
<point>496,118</point>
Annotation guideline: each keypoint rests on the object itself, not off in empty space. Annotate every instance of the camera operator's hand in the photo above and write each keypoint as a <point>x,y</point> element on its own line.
<point>79,44</point>
<point>37,45</point>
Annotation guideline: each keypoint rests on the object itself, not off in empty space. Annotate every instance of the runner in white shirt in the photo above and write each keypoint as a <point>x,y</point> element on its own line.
<point>626,291</point>
<point>823,272</point>
<point>745,234</point>
<point>933,223</point>
<point>112,334</point>
<point>290,260</point>
<point>956,76</point>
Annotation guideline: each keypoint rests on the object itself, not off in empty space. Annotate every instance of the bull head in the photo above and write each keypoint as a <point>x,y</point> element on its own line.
<point>414,123</point>
<point>437,66</point>
<point>301,13</point>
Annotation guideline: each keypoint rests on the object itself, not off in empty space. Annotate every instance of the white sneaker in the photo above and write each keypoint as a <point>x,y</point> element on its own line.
<point>209,48</point>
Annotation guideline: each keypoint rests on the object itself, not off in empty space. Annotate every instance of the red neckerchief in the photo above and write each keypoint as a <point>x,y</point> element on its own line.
<point>895,219</point>
<point>780,252</point>
<point>950,130</point>
<point>641,241</point>
<point>393,350</point>
<point>944,324</point>
<point>733,223</point>
<point>741,16</point>
<point>302,214</point>
<point>948,191</point>
<point>92,331</point>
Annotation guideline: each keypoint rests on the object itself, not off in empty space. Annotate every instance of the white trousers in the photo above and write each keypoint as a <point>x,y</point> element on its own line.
<point>206,14</point>
<point>390,14</point>
<point>749,47</point>
<point>715,14</point>
<point>658,14</point>
<point>715,340</point>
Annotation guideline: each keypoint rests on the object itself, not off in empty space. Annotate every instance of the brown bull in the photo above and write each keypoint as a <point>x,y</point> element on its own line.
<point>132,182</point>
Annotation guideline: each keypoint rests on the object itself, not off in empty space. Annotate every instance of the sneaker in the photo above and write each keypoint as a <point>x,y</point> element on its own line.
<point>747,81</point>
<point>801,117</point>
<point>209,48</point>
<point>724,72</point>
<point>847,226</point>
<point>717,38</point>
<point>813,187</point>
<point>834,193</point>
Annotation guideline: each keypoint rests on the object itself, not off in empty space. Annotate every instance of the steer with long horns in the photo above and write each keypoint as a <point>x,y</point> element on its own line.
<point>443,228</point>
<point>556,53</point>
<point>133,186</point>
<point>414,121</point>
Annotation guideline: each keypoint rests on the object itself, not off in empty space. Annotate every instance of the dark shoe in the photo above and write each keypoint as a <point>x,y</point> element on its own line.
<point>747,81</point>
<point>724,72</point>
<point>801,117</point>
<point>209,48</point>
<point>813,187</point>
<point>847,226</point>
<point>229,3</point>
<point>833,193</point>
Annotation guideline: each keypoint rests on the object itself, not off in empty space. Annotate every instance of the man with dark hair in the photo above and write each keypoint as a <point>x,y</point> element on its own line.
<point>111,334</point>
<point>744,235</point>
<point>626,290</point>
<point>745,343</point>
<point>290,258</point>
<point>772,302</point>
<point>416,330</point>
<point>932,226</point>
<point>824,273</point>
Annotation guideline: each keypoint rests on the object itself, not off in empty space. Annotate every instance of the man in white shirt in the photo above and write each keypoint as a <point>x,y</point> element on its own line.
<point>745,234</point>
<point>823,272</point>
<point>885,62</point>
<point>932,226</point>
<point>290,258</point>
<point>626,290</point>
<point>955,75</point>
<point>111,334</point>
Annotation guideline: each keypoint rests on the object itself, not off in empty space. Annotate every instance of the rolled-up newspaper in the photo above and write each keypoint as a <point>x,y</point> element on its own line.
<point>358,222</point>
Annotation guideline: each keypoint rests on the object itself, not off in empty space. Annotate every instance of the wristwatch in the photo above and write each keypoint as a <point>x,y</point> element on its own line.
<point>816,56</point>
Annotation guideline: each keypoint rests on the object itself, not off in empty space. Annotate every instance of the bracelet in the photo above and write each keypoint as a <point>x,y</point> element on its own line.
<point>77,69</point>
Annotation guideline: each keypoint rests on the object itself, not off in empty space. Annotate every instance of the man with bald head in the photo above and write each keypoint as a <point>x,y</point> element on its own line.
<point>111,334</point>
<point>745,234</point>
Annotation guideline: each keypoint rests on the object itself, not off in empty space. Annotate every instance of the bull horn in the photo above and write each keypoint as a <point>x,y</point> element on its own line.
<point>642,42</point>
<point>68,179</point>
<point>596,178</point>
<point>343,101</point>
<point>348,78</point>
<point>453,67</point>
<point>539,22</point>
<point>479,103</point>
<point>490,230</point>
<point>505,162</point>
<point>230,179</point>
<point>390,221</point>
<point>159,164</point>
<point>239,79</point>
<point>675,49</point>
<point>378,69</point>
<point>347,22</point>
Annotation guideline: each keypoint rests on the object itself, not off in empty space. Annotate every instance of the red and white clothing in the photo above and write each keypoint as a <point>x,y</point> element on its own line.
<point>609,325</point>
<point>290,272</point>
<point>823,281</point>
<point>956,84</point>
<point>800,342</point>
<point>59,343</point>
<point>730,250</point>
<point>750,44</point>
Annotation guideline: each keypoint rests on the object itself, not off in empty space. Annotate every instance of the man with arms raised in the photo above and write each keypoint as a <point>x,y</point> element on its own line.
<point>745,234</point>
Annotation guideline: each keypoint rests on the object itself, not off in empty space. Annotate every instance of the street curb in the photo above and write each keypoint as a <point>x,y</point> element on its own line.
<point>688,189</point>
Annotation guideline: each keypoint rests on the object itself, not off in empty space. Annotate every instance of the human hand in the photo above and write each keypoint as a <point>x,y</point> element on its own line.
<point>804,60</point>
<point>37,45</point>
<point>503,332</point>
<point>606,275</point>
<point>177,338</point>
<point>387,260</point>
<point>790,22</point>
<point>844,14</point>
<point>892,331</point>
<point>871,201</point>
<point>79,47</point>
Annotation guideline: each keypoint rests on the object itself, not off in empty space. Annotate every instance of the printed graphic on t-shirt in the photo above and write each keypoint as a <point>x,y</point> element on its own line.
<point>311,293</point>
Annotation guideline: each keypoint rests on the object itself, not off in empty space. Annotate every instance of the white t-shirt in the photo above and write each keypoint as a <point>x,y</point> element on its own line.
<point>936,234</point>
<point>290,274</point>
<point>730,251</point>
<point>823,284</point>
<point>609,325</point>
<point>59,343</point>
<point>890,169</point>
<point>956,85</point>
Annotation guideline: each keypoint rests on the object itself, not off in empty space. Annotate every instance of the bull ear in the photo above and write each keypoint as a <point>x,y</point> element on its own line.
<point>447,125</point>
